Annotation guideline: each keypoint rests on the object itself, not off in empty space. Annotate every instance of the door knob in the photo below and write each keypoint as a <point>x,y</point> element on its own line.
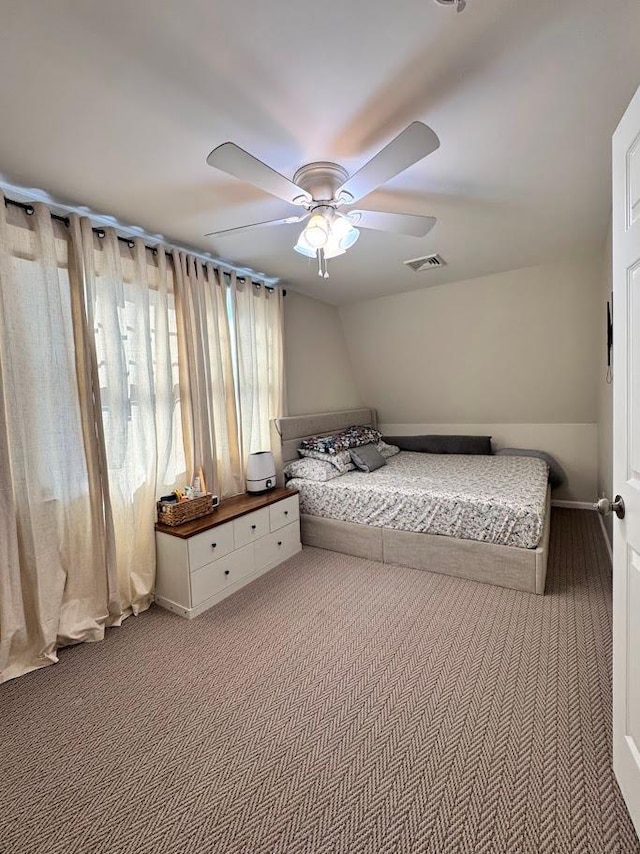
<point>604,506</point>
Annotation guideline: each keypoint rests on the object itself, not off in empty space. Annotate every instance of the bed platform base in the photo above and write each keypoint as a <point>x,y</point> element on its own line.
<point>505,566</point>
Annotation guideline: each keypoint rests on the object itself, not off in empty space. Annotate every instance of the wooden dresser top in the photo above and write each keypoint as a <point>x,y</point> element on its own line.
<point>229,509</point>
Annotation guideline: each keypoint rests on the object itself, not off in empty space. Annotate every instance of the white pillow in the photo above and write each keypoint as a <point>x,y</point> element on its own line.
<point>341,460</point>
<point>310,469</point>
<point>387,450</point>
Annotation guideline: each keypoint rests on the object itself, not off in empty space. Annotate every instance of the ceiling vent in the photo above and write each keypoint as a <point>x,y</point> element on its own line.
<point>430,262</point>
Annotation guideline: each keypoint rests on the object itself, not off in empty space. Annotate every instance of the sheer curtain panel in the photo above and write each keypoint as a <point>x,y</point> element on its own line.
<point>258,326</point>
<point>208,384</point>
<point>53,579</point>
<point>131,302</point>
<point>122,372</point>
<point>90,430</point>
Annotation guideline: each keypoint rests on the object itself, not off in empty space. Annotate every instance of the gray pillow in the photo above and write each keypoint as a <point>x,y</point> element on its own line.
<point>367,458</point>
<point>442,444</point>
<point>557,474</point>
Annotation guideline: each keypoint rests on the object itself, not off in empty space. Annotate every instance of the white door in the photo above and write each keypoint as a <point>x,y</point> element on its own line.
<point>626,457</point>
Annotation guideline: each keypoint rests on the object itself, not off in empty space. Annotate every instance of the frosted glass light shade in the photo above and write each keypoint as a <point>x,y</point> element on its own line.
<point>343,231</point>
<point>317,231</point>
<point>303,247</point>
<point>332,249</point>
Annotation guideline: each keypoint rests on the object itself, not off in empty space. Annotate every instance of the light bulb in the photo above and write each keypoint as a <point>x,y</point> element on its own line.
<point>317,231</point>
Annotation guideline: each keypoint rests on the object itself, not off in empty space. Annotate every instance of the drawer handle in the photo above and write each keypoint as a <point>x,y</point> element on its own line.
<point>253,527</point>
<point>279,542</point>
<point>286,512</point>
<point>213,545</point>
<point>227,571</point>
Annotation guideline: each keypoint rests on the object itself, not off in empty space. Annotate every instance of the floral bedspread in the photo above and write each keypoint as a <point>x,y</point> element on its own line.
<point>492,499</point>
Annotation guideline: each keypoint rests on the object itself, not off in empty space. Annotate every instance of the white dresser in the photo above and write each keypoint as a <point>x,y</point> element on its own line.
<point>201,562</point>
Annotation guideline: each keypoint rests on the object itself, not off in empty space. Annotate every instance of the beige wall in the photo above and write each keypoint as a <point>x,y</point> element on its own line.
<point>605,391</point>
<point>515,353</point>
<point>318,370</point>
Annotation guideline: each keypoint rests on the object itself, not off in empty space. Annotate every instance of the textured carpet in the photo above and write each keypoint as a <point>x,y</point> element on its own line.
<point>335,705</point>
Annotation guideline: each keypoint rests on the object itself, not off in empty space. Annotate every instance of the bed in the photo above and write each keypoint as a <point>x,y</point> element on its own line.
<point>485,518</point>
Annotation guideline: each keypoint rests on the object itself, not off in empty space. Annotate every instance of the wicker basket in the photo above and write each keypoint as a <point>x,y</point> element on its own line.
<point>170,513</point>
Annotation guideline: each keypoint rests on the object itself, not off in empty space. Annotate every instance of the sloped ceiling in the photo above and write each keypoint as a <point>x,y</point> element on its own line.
<point>116,105</point>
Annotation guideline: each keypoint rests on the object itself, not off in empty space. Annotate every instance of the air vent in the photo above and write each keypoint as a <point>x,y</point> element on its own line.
<point>430,262</point>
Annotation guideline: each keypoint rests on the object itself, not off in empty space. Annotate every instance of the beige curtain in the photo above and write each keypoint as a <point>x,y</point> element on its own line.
<point>53,580</point>
<point>208,384</point>
<point>131,303</point>
<point>258,322</point>
<point>121,372</point>
<point>90,431</point>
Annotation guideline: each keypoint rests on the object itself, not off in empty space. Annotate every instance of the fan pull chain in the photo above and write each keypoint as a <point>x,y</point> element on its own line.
<point>322,265</point>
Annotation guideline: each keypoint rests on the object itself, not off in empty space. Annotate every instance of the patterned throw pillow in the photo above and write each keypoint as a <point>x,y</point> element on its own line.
<point>308,469</point>
<point>340,460</point>
<point>387,450</point>
<point>352,437</point>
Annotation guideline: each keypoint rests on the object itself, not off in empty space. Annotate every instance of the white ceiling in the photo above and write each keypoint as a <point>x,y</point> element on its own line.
<point>116,105</point>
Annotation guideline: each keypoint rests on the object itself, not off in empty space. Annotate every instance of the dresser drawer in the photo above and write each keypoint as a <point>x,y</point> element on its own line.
<point>251,527</point>
<point>214,577</point>
<point>284,512</point>
<point>276,547</point>
<point>210,545</point>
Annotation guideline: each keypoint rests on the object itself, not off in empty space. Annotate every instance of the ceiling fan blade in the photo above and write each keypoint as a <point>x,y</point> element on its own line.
<point>397,223</point>
<point>414,143</point>
<point>236,161</point>
<point>286,221</point>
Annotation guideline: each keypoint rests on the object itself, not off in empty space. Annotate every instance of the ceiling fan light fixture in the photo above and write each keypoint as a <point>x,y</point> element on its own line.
<point>349,238</point>
<point>322,187</point>
<point>333,248</point>
<point>303,248</point>
<point>317,232</point>
<point>344,232</point>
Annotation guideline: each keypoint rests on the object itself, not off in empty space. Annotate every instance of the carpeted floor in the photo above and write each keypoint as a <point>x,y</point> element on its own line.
<point>335,705</point>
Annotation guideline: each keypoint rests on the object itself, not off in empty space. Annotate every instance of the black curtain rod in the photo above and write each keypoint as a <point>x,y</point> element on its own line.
<point>100,232</point>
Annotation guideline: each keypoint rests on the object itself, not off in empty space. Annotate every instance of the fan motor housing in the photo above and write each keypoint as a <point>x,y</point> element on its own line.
<point>321,179</point>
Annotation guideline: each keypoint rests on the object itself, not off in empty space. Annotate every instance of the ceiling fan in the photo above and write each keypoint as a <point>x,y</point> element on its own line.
<point>328,194</point>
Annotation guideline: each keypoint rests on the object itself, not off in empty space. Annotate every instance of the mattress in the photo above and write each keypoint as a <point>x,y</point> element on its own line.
<point>492,499</point>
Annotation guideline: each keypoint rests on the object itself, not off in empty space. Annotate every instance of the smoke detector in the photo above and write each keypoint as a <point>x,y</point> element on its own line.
<point>459,4</point>
<point>429,262</point>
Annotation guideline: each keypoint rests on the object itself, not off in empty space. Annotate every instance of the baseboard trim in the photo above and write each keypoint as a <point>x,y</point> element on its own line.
<point>606,538</point>
<point>573,505</point>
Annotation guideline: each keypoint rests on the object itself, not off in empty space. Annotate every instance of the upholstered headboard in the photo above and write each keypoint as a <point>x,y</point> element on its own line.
<point>288,432</point>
